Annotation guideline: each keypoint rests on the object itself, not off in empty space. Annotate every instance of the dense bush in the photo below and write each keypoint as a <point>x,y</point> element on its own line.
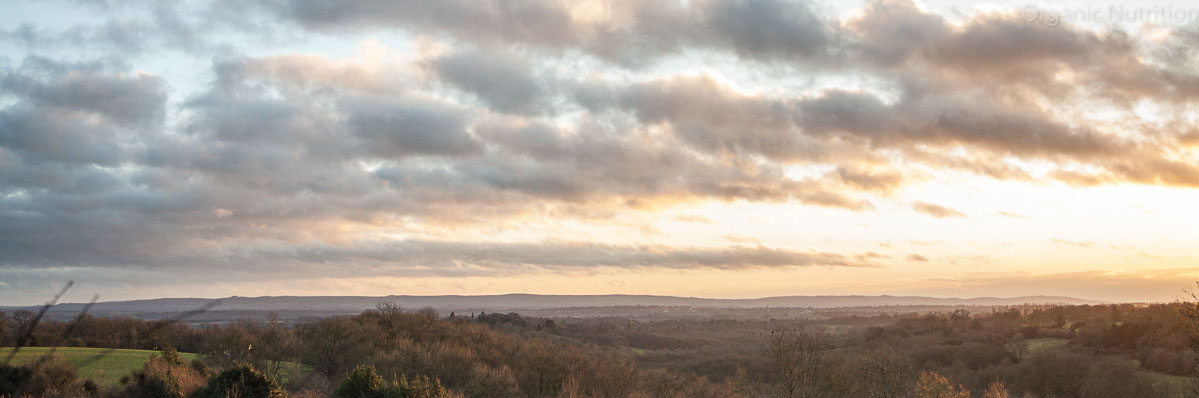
<point>163,376</point>
<point>49,377</point>
<point>933,385</point>
<point>13,378</point>
<point>241,382</point>
<point>363,382</point>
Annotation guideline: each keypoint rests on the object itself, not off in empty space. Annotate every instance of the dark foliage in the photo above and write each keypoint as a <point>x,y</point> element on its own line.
<point>242,382</point>
<point>1026,351</point>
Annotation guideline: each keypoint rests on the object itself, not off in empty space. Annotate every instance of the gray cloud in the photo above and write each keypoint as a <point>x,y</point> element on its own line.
<point>527,20</point>
<point>709,116</point>
<point>135,28</point>
<point>770,28</point>
<point>122,35</point>
<point>813,129</point>
<point>943,119</point>
<point>124,99</point>
<point>393,128</point>
<point>69,118</point>
<point>463,258</point>
<point>316,263</point>
<point>868,180</point>
<point>917,258</point>
<point>522,257</point>
<point>502,80</point>
<point>277,147</point>
<point>53,135</point>
<point>1015,58</point>
<point>895,32</point>
<point>937,211</point>
<point>631,33</point>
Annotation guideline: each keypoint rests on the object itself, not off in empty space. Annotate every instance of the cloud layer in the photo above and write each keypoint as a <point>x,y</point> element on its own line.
<point>548,110</point>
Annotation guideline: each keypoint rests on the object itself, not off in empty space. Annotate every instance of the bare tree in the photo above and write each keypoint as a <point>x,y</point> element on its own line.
<point>1190,310</point>
<point>794,354</point>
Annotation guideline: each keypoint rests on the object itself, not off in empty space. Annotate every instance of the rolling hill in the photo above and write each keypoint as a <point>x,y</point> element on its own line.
<point>299,306</point>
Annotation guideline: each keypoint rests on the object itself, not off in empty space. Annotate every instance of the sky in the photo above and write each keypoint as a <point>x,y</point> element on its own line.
<point>708,148</point>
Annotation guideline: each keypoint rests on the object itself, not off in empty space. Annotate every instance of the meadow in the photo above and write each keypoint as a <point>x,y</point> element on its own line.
<point>105,366</point>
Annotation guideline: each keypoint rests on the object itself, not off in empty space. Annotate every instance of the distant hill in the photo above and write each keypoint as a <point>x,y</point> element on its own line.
<point>332,305</point>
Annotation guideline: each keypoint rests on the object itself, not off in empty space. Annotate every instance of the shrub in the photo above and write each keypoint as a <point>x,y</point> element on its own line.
<point>996,390</point>
<point>12,378</point>
<point>48,377</point>
<point>241,382</point>
<point>164,376</point>
<point>932,385</point>
<point>364,382</point>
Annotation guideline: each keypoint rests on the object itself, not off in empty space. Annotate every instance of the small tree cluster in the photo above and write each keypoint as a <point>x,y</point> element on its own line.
<point>241,382</point>
<point>365,382</point>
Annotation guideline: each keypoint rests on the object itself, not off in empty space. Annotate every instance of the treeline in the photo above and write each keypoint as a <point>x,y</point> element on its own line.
<point>1030,351</point>
<point>462,355</point>
<point>1054,351</point>
<point>1121,350</point>
<point>20,328</point>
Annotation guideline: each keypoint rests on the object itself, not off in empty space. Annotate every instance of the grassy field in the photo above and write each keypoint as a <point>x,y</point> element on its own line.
<point>105,370</point>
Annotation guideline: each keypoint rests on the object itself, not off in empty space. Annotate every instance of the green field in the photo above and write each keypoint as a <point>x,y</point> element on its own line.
<point>102,365</point>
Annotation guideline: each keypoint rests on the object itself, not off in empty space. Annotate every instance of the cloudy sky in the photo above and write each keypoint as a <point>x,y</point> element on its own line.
<point>716,148</point>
